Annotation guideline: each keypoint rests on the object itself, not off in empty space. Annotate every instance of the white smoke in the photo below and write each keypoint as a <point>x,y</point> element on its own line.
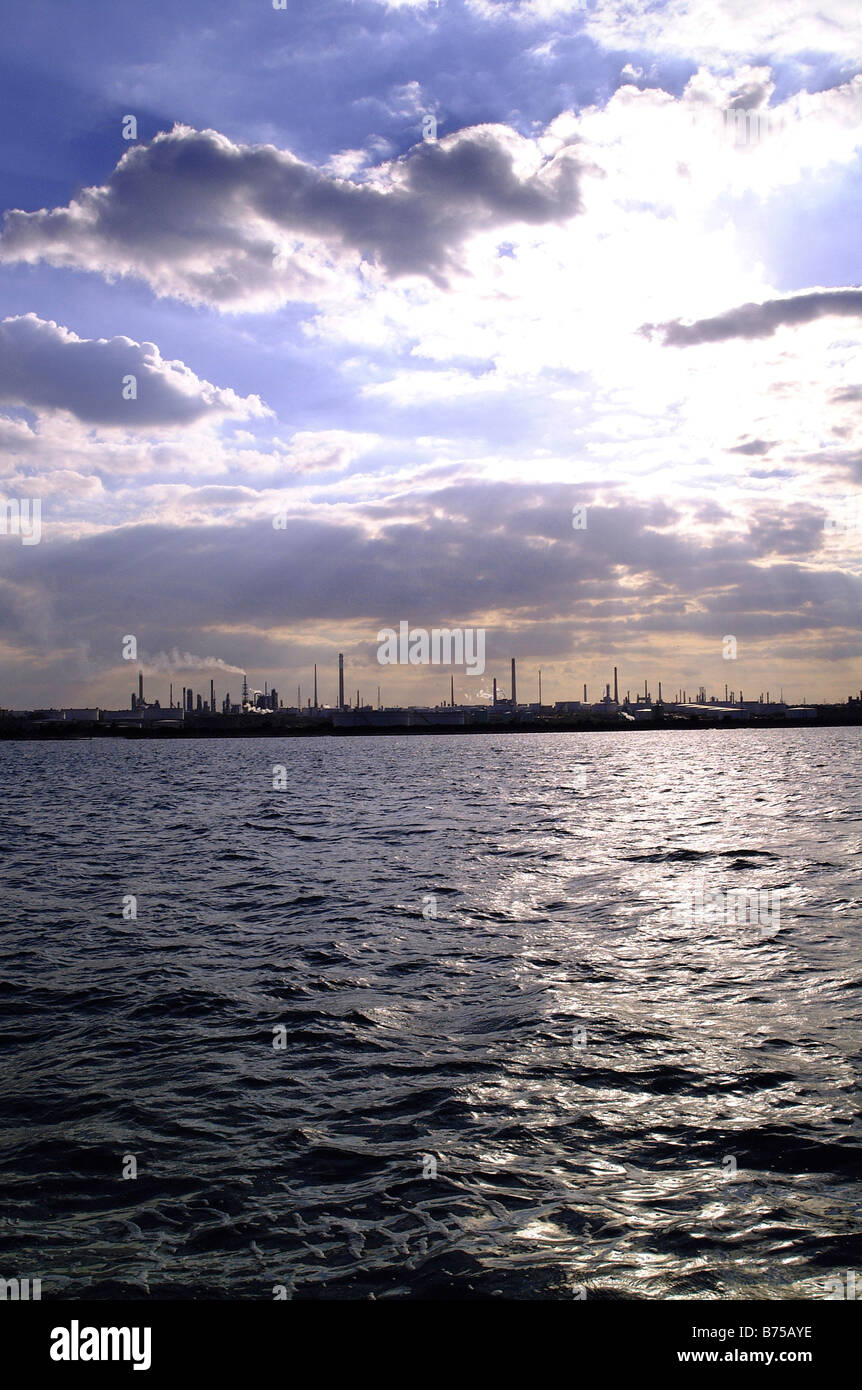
<point>169,663</point>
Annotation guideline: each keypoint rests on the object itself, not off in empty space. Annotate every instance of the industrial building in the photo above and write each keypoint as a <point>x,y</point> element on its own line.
<point>500,709</point>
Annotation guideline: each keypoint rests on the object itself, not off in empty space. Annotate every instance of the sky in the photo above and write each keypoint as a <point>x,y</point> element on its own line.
<point>536,316</point>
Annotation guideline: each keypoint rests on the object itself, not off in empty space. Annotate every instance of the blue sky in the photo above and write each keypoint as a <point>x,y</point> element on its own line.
<point>419,346</point>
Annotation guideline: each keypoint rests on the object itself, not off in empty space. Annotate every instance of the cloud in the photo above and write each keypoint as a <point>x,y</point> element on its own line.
<point>48,368</point>
<point>323,451</point>
<point>753,447</point>
<point>509,554</point>
<point>760,320</point>
<point>245,227</point>
<point>712,29</point>
<point>644,577</point>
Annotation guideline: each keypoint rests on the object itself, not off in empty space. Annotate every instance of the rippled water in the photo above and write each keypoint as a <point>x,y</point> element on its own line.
<point>579,1063</point>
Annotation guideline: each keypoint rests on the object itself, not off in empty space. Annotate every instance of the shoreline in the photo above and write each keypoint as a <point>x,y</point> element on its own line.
<point>23,731</point>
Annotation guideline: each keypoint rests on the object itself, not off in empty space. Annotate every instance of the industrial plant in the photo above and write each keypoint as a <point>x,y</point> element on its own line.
<point>203,712</point>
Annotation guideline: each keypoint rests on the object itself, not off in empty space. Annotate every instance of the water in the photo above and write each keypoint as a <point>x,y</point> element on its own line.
<point>583,1068</point>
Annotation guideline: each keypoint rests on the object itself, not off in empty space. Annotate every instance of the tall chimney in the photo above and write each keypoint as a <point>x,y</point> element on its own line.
<point>494,700</point>
<point>616,688</point>
<point>315,685</point>
<point>452,690</point>
<point>140,687</point>
<point>585,692</point>
<point>341,680</point>
<point>514,686</point>
<point>171,700</point>
<point>212,697</point>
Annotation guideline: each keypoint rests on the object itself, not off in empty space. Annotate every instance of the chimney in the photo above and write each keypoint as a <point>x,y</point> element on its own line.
<point>452,690</point>
<point>315,685</point>
<point>514,686</point>
<point>616,688</point>
<point>585,694</point>
<point>140,687</point>
<point>341,680</point>
<point>494,700</point>
<point>212,697</point>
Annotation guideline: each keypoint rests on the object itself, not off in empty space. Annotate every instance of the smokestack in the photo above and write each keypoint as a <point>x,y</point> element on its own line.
<point>540,687</point>
<point>341,680</point>
<point>140,687</point>
<point>514,686</point>
<point>171,700</point>
<point>315,685</point>
<point>452,690</point>
<point>585,693</point>
<point>494,701</point>
<point>616,688</point>
<point>659,692</point>
<point>212,697</point>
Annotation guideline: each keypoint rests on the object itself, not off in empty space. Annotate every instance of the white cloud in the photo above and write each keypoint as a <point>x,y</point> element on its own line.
<point>710,30</point>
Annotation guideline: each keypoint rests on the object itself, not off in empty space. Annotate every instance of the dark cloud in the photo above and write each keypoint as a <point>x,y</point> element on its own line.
<point>753,446</point>
<point>205,219</point>
<point>750,96</point>
<point>759,320</point>
<point>505,554</point>
<point>46,367</point>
